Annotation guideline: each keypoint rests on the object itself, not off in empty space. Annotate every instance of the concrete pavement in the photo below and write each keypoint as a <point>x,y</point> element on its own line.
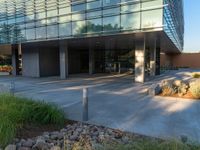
<point>118,102</point>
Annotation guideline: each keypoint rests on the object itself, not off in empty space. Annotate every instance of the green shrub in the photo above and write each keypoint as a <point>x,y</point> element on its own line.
<point>195,88</point>
<point>196,75</point>
<point>16,112</point>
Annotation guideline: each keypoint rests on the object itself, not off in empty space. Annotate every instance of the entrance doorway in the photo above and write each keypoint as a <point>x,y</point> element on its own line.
<point>78,61</point>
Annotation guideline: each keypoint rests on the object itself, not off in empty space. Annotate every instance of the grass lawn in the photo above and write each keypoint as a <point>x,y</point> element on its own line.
<point>16,113</point>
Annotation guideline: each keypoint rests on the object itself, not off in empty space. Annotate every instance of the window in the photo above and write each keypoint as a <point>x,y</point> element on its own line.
<point>152,18</point>
<point>110,2</point>
<point>52,31</point>
<point>112,11</point>
<point>78,7</point>
<point>94,25</point>
<point>94,4</point>
<point>130,8</point>
<point>78,16</point>
<point>94,14</point>
<point>52,20</point>
<point>30,25</point>
<point>11,21</point>
<point>111,23</point>
<point>130,21</point>
<point>52,13</point>
<point>30,34</point>
<point>41,32</point>
<point>40,23</point>
<point>64,11</point>
<point>151,4</point>
<point>30,17</point>
<point>78,27</point>
<point>65,29</point>
<point>20,19</point>
<point>40,15</point>
<point>63,19</point>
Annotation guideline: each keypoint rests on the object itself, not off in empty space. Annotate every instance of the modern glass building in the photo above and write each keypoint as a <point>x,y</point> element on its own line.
<point>61,37</point>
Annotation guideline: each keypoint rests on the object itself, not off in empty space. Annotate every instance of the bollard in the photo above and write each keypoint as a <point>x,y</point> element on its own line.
<point>119,68</point>
<point>85,104</point>
<point>12,87</point>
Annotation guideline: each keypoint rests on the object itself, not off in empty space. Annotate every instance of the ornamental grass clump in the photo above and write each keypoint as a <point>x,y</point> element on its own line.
<point>15,112</point>
<point>196,75</point>
<point>195,89</point>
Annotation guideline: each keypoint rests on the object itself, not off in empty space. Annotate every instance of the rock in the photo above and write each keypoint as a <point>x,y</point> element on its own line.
<point>79,130</point>
<point>95,133</point>
<point>55,148</point>
<point>28,143</point>
<point>24,148</point>
<point>177,83</point>
<point>154,90</point>
<point>183,89</point>
<point>40,144</point>
<point>11,147</point>
<point>63,130</point>
<point>73,137</point>
<point>56,135</point>
<point>40,139</point>
<point>46,135</point>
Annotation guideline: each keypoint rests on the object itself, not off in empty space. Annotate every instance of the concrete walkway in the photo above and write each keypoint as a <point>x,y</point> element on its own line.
<point>118,102</point>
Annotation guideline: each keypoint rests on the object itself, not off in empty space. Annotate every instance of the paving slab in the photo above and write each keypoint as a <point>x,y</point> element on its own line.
<point>118,102</point>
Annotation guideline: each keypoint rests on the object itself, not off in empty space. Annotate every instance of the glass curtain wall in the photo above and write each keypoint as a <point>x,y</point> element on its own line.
<point>30,20</point>
<point>174,21</point>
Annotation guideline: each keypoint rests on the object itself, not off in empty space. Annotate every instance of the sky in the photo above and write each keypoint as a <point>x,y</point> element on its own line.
<point>192,25</point>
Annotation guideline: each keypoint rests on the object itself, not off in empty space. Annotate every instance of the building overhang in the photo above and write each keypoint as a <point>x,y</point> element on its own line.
<point>111,41</point>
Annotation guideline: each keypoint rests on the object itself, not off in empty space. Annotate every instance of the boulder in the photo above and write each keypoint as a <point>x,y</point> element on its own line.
<point>177,83</point>
<point>28,143</point>
<point>11,147</point>
<point>55,148</point>
<point>154,90</point>
<point>24,148</point>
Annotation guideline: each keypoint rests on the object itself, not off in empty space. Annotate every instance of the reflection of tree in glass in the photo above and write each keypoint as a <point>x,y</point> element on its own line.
<point>10,34</point>
<point>110,27</point>
<point>91,27</point>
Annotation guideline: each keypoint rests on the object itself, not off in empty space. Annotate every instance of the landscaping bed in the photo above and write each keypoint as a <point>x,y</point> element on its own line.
<point>80,136</point>
<point>30,125</point>
<point>5,69</point>
<point>17,113</point>
<point>189,88</point>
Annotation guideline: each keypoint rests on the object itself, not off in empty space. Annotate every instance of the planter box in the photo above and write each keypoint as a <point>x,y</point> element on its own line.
<point>4,73</point>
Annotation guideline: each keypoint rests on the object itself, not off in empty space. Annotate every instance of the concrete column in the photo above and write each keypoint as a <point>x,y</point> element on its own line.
<point>91,60</point>
<point>30,61</point>
<point>63,60</point>
<point>157,60</point>
<point>140,61</point>
<point>153,59</point>
<point>15,59</point>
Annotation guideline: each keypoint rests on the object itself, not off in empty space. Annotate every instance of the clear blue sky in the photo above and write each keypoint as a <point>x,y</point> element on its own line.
<point>192,25</point>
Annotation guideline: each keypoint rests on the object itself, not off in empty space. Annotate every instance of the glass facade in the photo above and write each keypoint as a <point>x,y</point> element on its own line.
<point>30,20</point>
<point>174,22</point>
